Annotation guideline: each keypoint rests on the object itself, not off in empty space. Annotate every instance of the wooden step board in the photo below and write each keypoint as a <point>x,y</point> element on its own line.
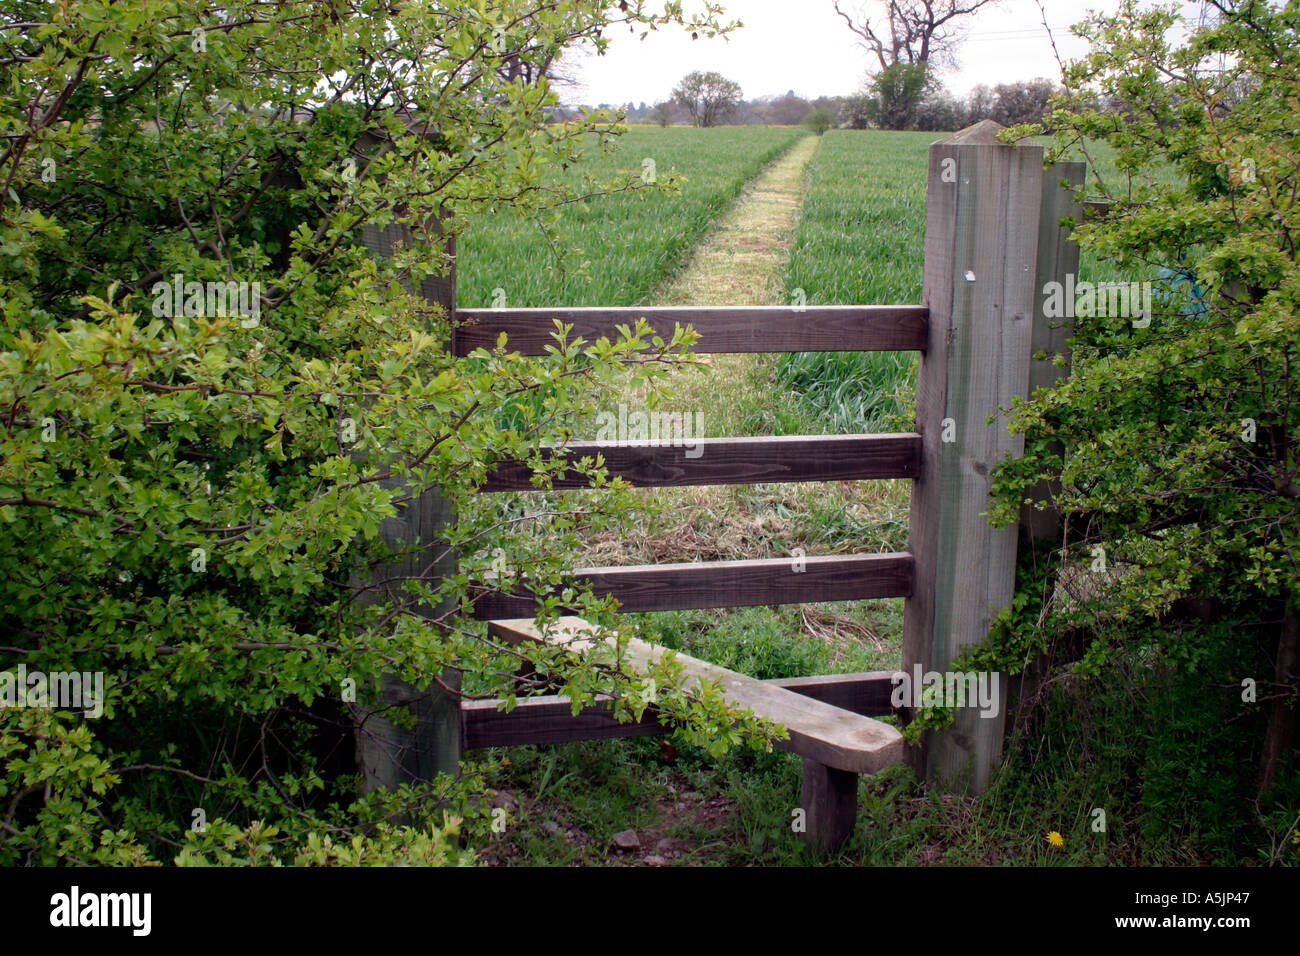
<point>821,732</point>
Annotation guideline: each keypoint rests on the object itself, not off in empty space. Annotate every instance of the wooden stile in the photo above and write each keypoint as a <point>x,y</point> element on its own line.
<point>992,242</point>
<point>828,734</point>
<point>836,745</point>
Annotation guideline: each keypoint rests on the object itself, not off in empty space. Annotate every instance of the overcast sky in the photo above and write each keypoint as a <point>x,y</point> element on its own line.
<point>803,45</point>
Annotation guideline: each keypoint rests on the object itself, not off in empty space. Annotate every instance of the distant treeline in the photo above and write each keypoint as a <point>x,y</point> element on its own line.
<point>1007,103</point>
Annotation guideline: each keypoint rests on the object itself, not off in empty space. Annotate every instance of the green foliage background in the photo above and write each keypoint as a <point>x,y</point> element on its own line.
<point>1176,442</point>
<point>189,503</point>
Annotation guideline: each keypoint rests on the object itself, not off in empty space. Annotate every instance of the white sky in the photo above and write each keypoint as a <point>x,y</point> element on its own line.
<point>803,45</point>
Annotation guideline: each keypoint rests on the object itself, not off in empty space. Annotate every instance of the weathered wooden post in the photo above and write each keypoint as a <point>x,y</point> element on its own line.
<point>981,246</point>
<point>829,797</point>
<point>389,752</point>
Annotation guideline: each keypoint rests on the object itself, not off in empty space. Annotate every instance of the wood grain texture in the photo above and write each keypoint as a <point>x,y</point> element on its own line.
<point>668,587</point>
<point>829,799</point>
<point>982,213</point>
<point>741,328</point>
<point>550,719</point>
<point>1058,256</point>
<point>830,735</point>
<point>731,461</point>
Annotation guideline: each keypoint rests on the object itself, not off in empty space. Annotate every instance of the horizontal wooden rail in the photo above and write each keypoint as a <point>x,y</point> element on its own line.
<point>674,587</point>
<point>813,328</point>
<point>731,461</point>
<point>550,719</point>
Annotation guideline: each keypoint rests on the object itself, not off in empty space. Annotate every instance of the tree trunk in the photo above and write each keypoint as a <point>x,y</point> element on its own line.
<point>1280,736</point>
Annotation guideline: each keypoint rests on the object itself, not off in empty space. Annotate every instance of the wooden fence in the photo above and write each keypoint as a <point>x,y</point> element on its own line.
<point>993,241</point>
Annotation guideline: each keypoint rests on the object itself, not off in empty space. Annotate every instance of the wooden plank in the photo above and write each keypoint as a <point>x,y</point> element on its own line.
<point>742,328</point>
<point>931,403</point>
<point>867,693</point>
<point>702,584</point>
<point>829,799</point>
<point>982,209</point>
<point>550,719</point>
<point>730,461</point>
<point>827,734</point>
<point>545,720</point>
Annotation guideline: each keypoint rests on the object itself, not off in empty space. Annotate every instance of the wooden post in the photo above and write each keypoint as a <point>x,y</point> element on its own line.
<point>829,798</point>
<point>981,241</point>
<point>389,752</point>
<point>428,742</point>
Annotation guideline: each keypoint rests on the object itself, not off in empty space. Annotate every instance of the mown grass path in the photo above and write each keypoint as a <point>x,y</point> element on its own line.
<point>741,262</point>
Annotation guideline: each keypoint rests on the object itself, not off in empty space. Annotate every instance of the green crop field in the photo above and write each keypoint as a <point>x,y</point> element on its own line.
<point>860,238</point>
<point>860,242</point>
<point>630,241</point>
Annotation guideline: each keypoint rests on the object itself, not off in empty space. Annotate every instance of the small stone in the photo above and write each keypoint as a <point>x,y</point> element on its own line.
<point>669,845</point>
<point>627,840</point>
<point>551,827</point>
<point>654,860</point>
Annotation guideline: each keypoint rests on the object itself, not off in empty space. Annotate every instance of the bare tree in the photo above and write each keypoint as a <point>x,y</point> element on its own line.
<point>911,31</point>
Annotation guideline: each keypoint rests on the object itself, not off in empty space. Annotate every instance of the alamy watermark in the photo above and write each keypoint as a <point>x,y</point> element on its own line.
<point>673,429</point>
<point>58,690</point>
<point>1125,300</point>
<point>952,689</point>
<point>74,908</point>
<point>211,299</point>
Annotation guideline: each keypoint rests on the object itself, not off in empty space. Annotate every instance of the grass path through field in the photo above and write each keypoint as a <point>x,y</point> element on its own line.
<point>741,262</point>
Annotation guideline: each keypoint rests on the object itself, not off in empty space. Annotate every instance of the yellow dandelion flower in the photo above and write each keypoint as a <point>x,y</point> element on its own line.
<point>1055,839</point>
